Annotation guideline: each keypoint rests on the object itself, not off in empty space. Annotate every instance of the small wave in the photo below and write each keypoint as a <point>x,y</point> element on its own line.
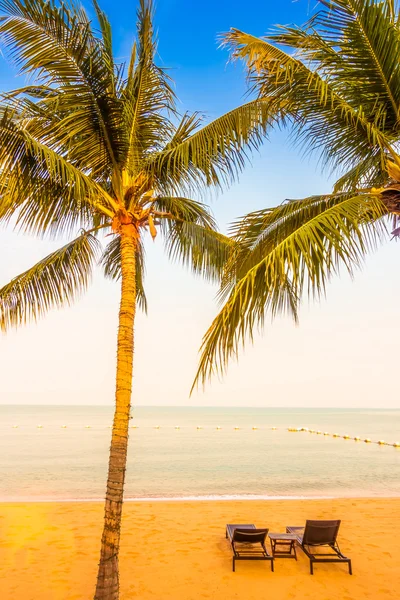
<point>220,497</point>
<point>201,498</point>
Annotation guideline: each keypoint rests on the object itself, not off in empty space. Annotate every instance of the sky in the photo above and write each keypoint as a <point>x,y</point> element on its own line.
<point>343,353</point>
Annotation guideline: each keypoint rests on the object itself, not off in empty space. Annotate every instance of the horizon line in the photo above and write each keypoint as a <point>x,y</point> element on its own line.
<point>209,406</point>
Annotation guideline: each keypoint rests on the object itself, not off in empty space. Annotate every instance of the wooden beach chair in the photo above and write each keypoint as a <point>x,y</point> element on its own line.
<point>320,534</point>
<point>248,543</point>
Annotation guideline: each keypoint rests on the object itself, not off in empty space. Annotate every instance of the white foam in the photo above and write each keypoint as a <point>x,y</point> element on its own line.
<point>205,498</point>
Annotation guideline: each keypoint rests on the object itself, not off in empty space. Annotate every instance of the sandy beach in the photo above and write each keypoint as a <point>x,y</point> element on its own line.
<point>178,550</point>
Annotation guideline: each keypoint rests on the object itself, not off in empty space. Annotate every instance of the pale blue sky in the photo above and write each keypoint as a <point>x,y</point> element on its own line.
<point>344,353</point>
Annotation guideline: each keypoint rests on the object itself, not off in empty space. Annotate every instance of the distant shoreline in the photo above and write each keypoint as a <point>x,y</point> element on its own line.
<point>208,498</point>
<point>285,407</point>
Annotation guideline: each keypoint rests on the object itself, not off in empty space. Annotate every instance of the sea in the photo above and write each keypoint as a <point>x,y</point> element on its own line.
<point>60,453</point>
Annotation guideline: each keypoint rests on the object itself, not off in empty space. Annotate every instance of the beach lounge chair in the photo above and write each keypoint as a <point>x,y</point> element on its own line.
<point>248,543</point>
<point>320,534</point>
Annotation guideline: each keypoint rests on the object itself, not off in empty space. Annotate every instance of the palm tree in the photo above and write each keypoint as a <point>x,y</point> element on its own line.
<point>338,90</point>
<point>93,146</point>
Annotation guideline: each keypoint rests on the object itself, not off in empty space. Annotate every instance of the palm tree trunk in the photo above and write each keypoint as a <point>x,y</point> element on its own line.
<point>107,587</point>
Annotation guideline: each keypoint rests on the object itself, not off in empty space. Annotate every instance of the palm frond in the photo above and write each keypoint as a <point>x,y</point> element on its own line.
<point>40,186</point>
<point>188,124</point>
<point>191,236</point>
<point>280,252</point>
<point>55,43</point>
<point>316,89</point>
<point>53,282</point>
<point>107,55</point>
<point>368,171</point>
<point>148,95</point>
<point>366,41</point>
<point>111,263</point>
<point>202,249</point>
<point>216,153</point>
<point>177,208</point>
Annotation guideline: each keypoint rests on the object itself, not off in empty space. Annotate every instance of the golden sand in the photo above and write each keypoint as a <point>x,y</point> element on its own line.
<point>178,550</point>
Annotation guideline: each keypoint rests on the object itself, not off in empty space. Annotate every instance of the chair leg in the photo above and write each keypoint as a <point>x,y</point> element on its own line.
<point>272,565</point>
<point>350,568</point>
<point>233,564</point>
<point>311,567</point>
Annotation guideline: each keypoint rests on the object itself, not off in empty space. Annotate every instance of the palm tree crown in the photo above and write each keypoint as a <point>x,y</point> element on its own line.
<point>92,144</point>
<point>338,90</point>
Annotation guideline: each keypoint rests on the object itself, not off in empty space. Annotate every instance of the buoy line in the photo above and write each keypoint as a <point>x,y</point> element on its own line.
<point>199,427</point>
<point>344,437</point>
<point>253,428</point>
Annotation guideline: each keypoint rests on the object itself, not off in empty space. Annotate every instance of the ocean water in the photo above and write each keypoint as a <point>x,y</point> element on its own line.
<point>53,462</point>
